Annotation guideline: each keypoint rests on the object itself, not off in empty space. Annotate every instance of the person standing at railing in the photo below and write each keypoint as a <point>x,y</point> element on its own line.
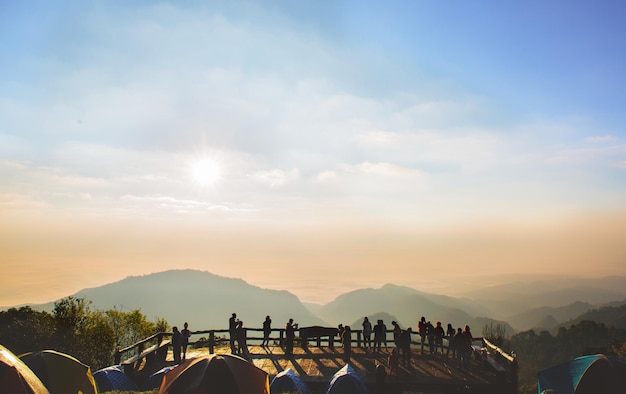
<point>367,333</point>
<point>267,330</point>
<point>378,335</point>
<point>346,341</point>
<point>232,333</point>
<point>439,334</point>
<point>185,333</point>
<point>177,341</point>
<point>404,344</point>
<point>450,332</point>
<point>421,329</point>
<point>241,340</point>
<point>290,335</point>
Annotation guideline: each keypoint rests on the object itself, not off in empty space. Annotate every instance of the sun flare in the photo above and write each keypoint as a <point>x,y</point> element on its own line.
<point>205,172</point>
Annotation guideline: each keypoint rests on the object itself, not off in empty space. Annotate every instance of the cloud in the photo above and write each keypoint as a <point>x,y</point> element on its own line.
<point>277,177</point>
<point>382,169</point>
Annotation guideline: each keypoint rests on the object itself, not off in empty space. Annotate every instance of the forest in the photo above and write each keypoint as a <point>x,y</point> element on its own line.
<point>73,327</point>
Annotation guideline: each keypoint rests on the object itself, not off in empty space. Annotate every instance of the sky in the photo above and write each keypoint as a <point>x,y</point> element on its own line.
<point>310,146</point>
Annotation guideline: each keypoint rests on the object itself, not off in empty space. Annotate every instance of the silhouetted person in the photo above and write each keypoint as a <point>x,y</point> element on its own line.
<point>463,346</point>
<point>468,335</point>
<point>267,330</point>
<point>378,335</point>
<point>380,375</point>
<point>290,335</point>
<point>384,330</point>
<point>430,334</point>
<point>367,332</point>
<point>394,362</point>
<point>396,332</point>
<point>346,341</point>
<point>439,334</point>
<point>185,333</point>
<point>404,344</point>
<point>421,329</point>
<point>450,335</point>
<point>177,341</point>
<point>232,332</point>
<point>242,340</point>
<point>450,332</point>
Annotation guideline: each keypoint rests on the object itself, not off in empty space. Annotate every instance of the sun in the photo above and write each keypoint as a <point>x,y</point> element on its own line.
<point>205,171</point>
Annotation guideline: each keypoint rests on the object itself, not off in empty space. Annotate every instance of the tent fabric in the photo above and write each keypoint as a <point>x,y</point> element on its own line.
<point>594,374</point>
<point>288,382</point>
<point>16,377</point>
<point>113,378</point>
<point>60,372</point>
<point>215,374</point>
<point>347,381</point>
<point>154,381</point>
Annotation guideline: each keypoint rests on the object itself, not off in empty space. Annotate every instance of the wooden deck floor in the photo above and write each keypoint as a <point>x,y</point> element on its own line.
<point>427,373</point>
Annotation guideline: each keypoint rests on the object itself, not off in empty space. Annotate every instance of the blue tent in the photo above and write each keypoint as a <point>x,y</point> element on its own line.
<point>288,382</point>
<point>154,380</point>
<point>347,381</point>
<point>597,374</point>
<point>113,378</point>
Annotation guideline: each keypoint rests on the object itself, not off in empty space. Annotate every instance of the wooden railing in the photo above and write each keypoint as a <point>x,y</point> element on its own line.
<point>155,348</point>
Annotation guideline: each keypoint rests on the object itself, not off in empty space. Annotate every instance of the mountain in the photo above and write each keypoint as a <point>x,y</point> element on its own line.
<point>506,299</point>
<point>611,316</point>
<point>202,299</point>
<point>406,304</point>
<point>536,318</point>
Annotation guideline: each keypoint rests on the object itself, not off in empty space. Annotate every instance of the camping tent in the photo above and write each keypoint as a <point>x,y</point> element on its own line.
<point>154,381</point>
<point>347,381</point>
<point>216,374</point>
<point>597,374</point>
<point>288,382</point>
<point>113,378</point>
<point>16,377</point>
<point>60,372</point>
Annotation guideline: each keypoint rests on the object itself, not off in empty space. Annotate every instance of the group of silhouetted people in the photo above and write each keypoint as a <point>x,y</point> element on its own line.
<point>180,341</point>
<point>432,336</point>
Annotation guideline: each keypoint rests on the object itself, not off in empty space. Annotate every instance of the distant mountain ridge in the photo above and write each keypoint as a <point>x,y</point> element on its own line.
<point>202,299</point>
<point>206,301</point>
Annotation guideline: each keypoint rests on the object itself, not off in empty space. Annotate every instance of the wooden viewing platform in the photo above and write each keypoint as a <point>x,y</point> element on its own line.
<point>490,370</point>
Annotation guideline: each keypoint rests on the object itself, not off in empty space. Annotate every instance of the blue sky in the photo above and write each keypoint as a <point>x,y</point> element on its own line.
<point>405,126</point>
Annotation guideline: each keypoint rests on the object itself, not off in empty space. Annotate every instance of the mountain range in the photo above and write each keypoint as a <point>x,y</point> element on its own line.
<point>206,301</point>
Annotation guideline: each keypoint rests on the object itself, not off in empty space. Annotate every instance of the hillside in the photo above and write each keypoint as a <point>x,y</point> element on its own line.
<point>509,298</point>
<point>203,299</point>
<point>406,304</point>
<point>611,316</point>
<point>547,317</point>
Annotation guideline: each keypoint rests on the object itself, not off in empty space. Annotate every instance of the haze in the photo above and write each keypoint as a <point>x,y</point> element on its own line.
<point>314,147</point>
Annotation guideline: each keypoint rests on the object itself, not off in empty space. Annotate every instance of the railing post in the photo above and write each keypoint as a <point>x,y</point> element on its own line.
<point>358,338</point>
<point>282,337</point>
<point>211,342</point>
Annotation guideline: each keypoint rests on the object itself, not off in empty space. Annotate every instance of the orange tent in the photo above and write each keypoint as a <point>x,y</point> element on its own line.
<point>16,377</point>
<point>224,374</point>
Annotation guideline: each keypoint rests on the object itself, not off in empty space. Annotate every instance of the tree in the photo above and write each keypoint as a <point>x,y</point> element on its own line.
<point>25,330</point>
<point>495,334</point>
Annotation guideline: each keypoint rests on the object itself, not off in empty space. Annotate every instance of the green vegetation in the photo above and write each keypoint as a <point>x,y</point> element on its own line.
<point>73,327</point>
<point>536,352</point>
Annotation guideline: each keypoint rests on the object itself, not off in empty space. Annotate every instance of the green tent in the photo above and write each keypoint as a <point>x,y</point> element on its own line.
<point>61,373</point>
<point>596,374</point>
<point>16,377</point>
